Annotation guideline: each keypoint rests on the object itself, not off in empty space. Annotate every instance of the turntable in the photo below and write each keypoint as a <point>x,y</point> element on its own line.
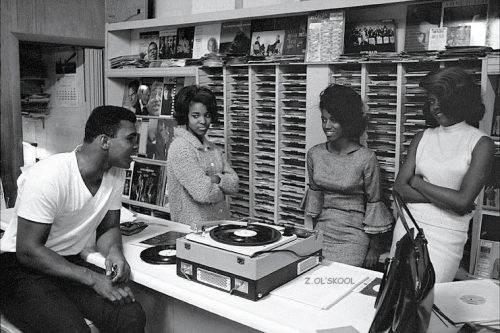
<point>247,259</point>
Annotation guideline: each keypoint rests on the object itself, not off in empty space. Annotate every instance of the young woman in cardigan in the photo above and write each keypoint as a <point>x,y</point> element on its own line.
<point>198,174</point>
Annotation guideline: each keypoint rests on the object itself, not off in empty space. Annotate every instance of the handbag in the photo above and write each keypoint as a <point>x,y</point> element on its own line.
<point>406,295</point>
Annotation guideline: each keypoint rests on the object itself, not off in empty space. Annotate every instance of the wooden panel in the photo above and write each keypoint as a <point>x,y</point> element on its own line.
<point>69,18</point>
<point>11,133</point>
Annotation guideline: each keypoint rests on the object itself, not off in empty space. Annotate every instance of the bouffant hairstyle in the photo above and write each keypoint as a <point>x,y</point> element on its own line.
<point>194,94</point>
<point>458,95</point>
<point>106,120</point>
<point>346,107</point>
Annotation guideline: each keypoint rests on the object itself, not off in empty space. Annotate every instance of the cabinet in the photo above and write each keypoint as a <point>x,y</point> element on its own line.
<point>270,116</point>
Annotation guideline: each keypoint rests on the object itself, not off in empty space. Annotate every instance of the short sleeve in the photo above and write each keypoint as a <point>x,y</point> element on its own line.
<point>378,218</point>
<point>312,203</point>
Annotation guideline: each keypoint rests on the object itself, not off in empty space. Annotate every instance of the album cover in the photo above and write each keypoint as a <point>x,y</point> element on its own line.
<point>145,182</point>
<point>164,137</point>
<point>185,37</point>
<point>206,40</point>
<point>167,43</point>
<point>370,37</point>
<point>148,45</point>
<point>131,96</point>
<point>466,21</point>
<point>128,180</point>
<point>493,31</point>
<point>279,36</point>
<point>325,36</point>
<point>235,37</point>
<point>150,97</point>
<point>420,19</point>
<point>169,89</point>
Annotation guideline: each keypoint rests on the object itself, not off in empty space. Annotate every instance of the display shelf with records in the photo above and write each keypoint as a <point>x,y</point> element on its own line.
<point>213,78</point>
<point>237,101</point>
<point>291,142</point>
<point>381,99</point>
<point>263,119</point>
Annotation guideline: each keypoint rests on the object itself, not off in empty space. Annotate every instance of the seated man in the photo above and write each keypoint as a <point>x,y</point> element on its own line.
<point>64,203</point>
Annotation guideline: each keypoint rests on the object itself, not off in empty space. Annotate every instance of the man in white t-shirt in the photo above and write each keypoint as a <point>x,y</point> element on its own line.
<point>64,203</point>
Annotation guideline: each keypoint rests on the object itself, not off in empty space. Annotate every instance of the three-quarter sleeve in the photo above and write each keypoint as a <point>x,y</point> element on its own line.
<point>313,200</point>
<point>378,218</point>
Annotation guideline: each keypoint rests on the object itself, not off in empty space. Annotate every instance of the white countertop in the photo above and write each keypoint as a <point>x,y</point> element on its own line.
<point>270,314</point>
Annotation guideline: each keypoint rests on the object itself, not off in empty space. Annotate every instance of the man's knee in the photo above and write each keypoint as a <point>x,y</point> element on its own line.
<point>132,318</point>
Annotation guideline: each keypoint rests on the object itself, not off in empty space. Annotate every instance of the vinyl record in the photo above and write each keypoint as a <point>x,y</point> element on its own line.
<point>250,235</point>
<point>160,254</point>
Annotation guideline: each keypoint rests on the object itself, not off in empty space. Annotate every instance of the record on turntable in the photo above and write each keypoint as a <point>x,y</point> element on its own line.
<point>160,254</point>
<point>245,235</point>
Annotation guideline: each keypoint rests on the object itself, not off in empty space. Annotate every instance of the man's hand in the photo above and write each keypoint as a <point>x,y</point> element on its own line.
<point>116,293</point>
<point>117,268</point>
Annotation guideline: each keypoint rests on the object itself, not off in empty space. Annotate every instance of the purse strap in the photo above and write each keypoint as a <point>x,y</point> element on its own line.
<point>402,208</point>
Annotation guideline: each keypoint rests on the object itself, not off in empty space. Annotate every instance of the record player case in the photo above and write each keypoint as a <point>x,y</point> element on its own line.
<point>244,275</point>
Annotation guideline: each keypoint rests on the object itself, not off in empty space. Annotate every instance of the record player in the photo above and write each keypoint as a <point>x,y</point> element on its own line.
<point>247,259</point>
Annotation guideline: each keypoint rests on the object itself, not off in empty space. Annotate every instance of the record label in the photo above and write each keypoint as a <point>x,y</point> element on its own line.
<point>249,235</point>
<point>160,254</point>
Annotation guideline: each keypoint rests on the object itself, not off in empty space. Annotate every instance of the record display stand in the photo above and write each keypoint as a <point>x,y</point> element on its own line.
<point>381,98</point>
<point>292,142</point>
<point>413,102</point>
<point>238,129</point>
<point>347,74</point>
<point>213,78</point>
<point>263,91</point>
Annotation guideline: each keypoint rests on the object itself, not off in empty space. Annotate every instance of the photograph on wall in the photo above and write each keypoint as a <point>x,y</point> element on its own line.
<point>370,37</point>
<point>185,38</point>
<point>167,43</point>
<point>235,37</point>
<point>420,19</point>
<point>466,21</point>
<point>206,40</point>
<point>148,45</point>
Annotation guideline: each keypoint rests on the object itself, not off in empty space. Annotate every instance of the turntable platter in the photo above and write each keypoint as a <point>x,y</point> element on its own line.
<point>249,235</point>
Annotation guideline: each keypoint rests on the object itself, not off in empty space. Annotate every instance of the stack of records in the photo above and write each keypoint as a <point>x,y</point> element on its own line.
<point>133,60</point>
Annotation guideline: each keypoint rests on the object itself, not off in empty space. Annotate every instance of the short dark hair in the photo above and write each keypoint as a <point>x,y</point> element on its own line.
<point>106,120</point>
<point>458,95</point>
<point>345,106</point>
<point>194,94</point>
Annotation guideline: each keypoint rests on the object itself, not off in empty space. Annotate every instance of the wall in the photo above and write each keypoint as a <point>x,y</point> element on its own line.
<point>70,22</point>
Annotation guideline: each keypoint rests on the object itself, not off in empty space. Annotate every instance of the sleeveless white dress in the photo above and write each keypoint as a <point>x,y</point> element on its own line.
<point>443,157</point>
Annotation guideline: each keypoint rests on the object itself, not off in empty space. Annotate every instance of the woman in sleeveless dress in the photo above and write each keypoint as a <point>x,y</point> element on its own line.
<point>446,168</point>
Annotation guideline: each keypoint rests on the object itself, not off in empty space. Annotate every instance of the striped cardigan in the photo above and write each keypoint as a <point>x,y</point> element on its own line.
<point>192,196</point>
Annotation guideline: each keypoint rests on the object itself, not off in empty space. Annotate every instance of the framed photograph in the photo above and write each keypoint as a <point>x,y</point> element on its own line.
<point>370,37</point>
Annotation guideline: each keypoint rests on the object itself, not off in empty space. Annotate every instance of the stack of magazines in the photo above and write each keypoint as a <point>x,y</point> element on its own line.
<point>133,60</point>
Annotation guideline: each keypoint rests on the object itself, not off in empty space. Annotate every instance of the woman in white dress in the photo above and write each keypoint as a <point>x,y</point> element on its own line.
<point>446,168</point>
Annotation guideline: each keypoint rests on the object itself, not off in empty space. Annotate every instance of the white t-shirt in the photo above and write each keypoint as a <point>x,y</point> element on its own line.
<point>53,192</point>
